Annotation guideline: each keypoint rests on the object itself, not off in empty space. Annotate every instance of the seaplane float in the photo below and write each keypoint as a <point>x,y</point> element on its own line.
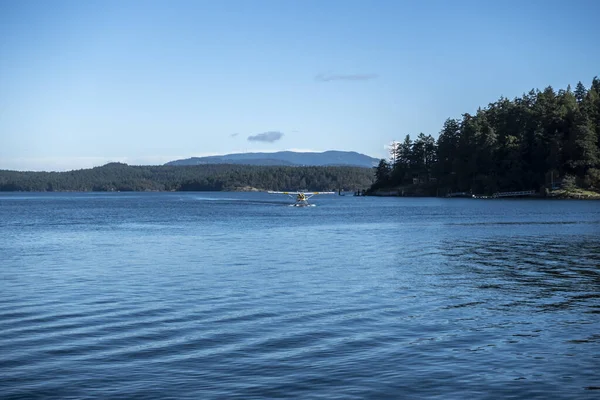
<point>300,197</point>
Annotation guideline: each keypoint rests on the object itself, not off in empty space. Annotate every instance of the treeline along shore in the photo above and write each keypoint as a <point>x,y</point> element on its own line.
<point>544,141</point>
<point>215,177</point>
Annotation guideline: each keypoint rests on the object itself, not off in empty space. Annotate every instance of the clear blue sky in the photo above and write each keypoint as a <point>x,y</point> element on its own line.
<point>83,83</point>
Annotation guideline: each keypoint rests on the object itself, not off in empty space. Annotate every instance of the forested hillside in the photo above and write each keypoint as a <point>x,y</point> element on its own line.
<point>122,177</point>
<point>533,142</point>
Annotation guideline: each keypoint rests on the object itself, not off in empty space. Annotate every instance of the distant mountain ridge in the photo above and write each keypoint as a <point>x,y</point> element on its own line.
<point>286,158</point>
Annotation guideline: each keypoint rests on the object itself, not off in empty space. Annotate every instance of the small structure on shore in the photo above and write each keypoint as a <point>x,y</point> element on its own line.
<point>460,194</point>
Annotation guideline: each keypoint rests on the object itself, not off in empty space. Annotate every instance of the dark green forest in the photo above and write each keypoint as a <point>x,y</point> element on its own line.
<point>535,142</point>
<point>215,177</point>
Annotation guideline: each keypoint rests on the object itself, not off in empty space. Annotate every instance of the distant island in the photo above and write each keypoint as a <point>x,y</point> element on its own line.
<point>286,158</point>
<point>545,142</point>
<point>208,177</point>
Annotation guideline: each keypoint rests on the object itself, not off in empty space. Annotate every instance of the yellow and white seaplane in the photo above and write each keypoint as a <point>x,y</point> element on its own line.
<point>301,197</point>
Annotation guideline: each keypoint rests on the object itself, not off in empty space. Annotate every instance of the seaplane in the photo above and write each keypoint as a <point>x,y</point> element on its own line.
<point>301,197</point>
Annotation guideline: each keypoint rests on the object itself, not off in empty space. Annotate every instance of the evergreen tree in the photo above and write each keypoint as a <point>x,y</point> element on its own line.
<point>585,148</point>
<point>580,92</point>
<point>447,147</point>
<point>382,173</point>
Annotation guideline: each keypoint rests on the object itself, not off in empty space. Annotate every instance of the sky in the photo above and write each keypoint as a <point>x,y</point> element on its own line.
<point>83,83</point>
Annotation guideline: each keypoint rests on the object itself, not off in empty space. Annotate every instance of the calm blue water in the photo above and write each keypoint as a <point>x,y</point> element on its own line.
<point>225,295</point>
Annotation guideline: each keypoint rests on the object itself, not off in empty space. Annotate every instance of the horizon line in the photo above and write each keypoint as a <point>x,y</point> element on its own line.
<point>65,164</point>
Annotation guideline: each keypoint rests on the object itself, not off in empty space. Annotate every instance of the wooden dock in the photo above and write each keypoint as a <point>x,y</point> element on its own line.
<point>514,194</point>
<point>460,194</point>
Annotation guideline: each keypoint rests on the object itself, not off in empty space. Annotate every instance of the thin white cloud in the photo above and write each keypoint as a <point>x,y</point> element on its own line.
<point>73,163</point>
<point>328,77</point>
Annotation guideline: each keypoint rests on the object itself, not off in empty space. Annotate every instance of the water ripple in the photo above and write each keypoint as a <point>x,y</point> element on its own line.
<point>164,296</point>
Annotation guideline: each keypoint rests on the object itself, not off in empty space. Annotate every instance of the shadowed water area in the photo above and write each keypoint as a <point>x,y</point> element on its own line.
<point>225,295</point>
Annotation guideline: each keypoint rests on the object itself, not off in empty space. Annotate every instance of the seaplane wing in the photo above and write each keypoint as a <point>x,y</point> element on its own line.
<point>301,197</point>
<point>274,192</point>
<point>297,193</point>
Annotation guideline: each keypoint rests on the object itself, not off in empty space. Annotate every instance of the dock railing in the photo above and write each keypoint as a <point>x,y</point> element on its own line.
<point>515,194</point>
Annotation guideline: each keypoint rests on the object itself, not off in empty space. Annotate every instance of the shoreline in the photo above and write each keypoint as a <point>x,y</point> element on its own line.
<point>555,195</point>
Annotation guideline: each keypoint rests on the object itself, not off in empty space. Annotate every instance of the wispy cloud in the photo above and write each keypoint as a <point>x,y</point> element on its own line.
<point>328,77</point>
<point>269,137</point>
<point>234,135</point>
